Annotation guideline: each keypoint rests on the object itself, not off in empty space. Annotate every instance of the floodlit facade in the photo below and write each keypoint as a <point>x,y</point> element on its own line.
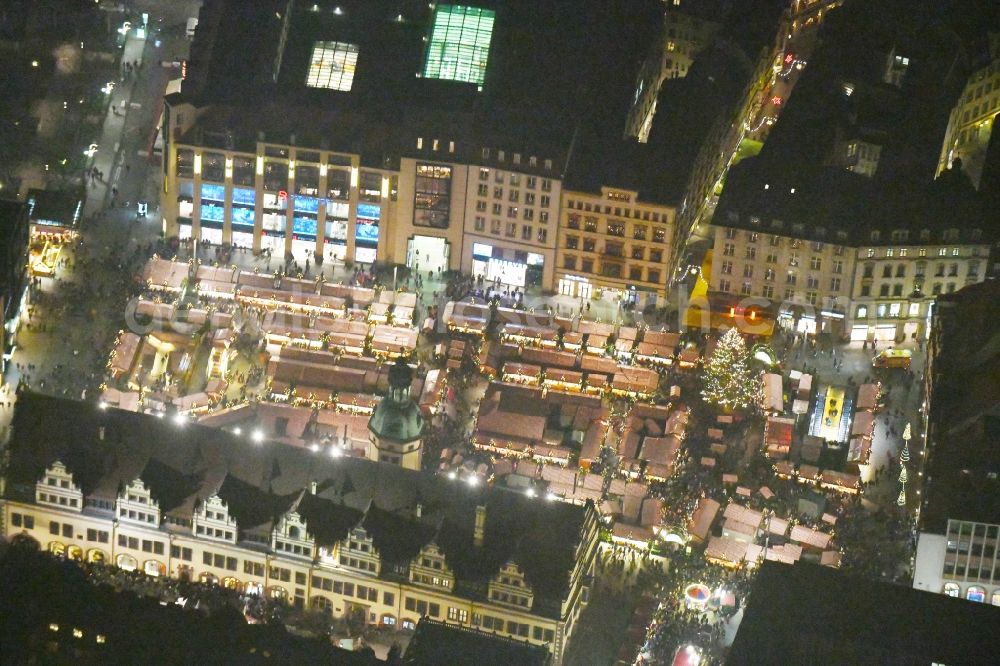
<point>972,120</point>
<point>882,291</point>
<point>895,284</point>
<point>348,543</point>
<point>434,208</point>
<point>775,265</point>
<point>511,217</point>
<point>614,243</point>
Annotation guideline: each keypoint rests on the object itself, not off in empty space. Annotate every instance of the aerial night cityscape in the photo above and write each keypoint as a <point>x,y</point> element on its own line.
<point>499,332</point>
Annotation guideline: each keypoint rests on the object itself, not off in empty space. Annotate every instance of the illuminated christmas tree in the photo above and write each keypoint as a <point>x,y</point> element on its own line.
<point>730,382</point>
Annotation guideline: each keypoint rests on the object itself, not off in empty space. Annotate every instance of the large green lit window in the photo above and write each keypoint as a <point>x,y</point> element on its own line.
<point>459,43</point>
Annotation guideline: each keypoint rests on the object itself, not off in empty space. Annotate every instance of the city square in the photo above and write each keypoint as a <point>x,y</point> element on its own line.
<point>484,365</point>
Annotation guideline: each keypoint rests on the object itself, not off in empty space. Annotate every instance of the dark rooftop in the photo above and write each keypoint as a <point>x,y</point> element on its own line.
<point>107,449</point>
<point>843,94</point>
<point>810,614</point>
<point>435,643</point>
<point>963,467</point>
<point>832,204</point>
<point>62,595</point>
<point>546,63</point>
<point>54,207</point>
<point>11,213</point>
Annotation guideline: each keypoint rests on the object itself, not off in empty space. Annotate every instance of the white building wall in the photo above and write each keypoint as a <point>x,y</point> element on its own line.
<point>929,563</point>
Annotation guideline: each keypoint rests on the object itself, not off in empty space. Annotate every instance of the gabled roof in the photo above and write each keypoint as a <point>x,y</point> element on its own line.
<point>261,481</point>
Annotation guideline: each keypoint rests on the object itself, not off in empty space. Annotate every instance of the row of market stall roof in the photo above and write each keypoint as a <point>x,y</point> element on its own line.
<point>515,421</point>
<point>780,427</point>
<point>297,294</point>
<point>337,334</point>
<point>319,375</point>
<point>543,330</point>
<point>743,528</point>
<point>635,516</point>
<point>568,371</point>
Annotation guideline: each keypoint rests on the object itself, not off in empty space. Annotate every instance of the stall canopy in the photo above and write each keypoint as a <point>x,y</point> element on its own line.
<point>867,397</point>
<point>774,401</point>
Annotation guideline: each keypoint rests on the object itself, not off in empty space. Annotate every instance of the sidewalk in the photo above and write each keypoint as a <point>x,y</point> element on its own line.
<point>110,146</point>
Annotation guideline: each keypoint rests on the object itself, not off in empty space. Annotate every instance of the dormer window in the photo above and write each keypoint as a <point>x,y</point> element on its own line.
<point>430,568</point>
<point>291,536</point>
<point>358,551</point>
<point>136,504</point>
<point>510,588</point>
<point>212,520</point>
<point>56,488</point>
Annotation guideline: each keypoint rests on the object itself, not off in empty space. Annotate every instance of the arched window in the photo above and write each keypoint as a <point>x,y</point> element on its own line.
<point>293,533</point>
<point>96,555</point>
<point>74,553</point>
<point>25,541</point>
<point>995,599</point>
<point>127,562</point>
<point>153,568</point>
<point>952,589</point>
<point>56,548</point>
<point>976,593</point>
<point>388,620</point>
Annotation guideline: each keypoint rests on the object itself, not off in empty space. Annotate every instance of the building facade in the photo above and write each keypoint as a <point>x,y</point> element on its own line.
<point>614,243</point>
<point>333,552</point>
<point>431,207</point>
<point>683,36</point>
<point>972,119</point>
<point>511,216</point>
<point>961,563</point>
<point>882,291</point>
<point>958,505</point>
<point>14,225</point>
<point>895,284</point>
<point>811,279</point>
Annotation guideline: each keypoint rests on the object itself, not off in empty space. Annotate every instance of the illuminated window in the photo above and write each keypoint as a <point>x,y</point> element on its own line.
<point>432,201</point>
<point>332,65</point>
<point>459,44</point>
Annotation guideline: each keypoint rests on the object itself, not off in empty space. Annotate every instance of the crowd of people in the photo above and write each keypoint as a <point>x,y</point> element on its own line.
<point>73,315</point>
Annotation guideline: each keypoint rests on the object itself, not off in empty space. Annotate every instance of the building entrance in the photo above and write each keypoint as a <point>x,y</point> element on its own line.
<point>428,253</point>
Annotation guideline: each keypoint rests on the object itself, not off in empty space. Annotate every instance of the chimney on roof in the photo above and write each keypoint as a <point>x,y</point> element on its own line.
<point>418,510</point>
<point>100,433</point>
<point>480,529</point>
